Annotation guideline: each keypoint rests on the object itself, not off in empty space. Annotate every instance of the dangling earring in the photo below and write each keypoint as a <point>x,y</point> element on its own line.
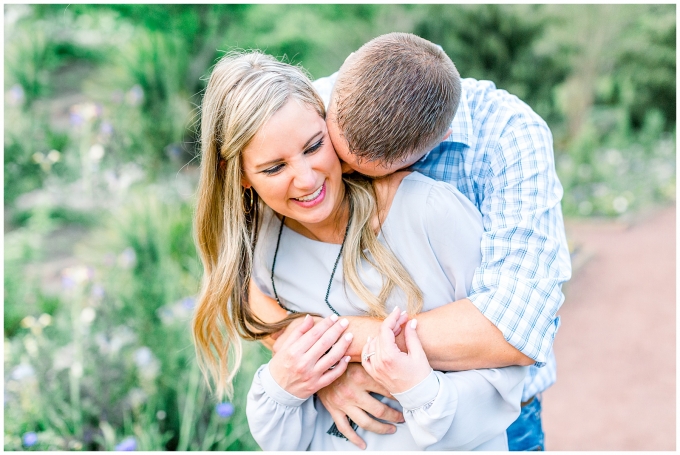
<point>250,207</point>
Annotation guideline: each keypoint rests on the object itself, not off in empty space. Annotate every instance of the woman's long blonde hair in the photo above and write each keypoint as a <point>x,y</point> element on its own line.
<point>243,93</point>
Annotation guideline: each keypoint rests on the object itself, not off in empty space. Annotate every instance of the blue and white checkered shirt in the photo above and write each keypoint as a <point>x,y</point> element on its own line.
<point>500,156</point>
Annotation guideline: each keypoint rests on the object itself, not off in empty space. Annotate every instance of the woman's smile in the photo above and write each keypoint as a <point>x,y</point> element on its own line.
<point>313,199</point>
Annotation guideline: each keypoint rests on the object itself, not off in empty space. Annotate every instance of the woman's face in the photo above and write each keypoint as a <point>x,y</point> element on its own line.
<point>292,165</point>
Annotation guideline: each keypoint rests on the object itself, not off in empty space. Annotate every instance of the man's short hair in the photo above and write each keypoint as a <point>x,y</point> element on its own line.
<point>395,96</point>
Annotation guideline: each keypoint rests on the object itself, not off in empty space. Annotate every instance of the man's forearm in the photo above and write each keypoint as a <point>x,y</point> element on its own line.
<point>455,337</point>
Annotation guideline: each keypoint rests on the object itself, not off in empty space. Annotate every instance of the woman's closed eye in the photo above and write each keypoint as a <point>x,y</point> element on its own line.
<point>273,170</point>
<point>314,147</point>
<point>278,167</point>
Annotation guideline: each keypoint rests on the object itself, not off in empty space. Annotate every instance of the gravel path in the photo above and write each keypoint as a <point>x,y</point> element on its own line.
<point>616,348</point>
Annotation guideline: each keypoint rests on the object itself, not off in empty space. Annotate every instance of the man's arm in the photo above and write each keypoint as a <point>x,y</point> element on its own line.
<point>455,337</point>
<point>525,258</point>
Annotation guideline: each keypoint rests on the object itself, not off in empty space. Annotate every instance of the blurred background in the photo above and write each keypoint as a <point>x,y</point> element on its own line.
<point>100,169</point>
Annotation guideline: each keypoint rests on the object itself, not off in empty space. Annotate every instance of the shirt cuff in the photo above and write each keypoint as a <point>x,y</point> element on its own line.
<point>420,394</point>
<point>276,392</point>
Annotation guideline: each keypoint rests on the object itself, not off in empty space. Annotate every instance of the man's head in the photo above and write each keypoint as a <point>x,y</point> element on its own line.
<point>394,100</point>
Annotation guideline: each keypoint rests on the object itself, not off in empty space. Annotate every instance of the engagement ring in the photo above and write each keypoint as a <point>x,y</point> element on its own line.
<point>368,355</point>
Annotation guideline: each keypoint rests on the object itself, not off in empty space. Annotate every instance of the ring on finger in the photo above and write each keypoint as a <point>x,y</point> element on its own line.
<point>368,356</point>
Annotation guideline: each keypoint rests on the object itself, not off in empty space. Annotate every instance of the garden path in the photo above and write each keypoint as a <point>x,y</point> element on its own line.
<point>616,347</point>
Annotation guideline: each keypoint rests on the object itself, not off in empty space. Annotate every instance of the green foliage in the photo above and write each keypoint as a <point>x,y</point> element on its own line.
<point>115,359</point>
<point>22,293</point>
<point>609,173</point>
<point>25,135</point>
<point>646,67</point>
<point>499,43</point>
<point>315,35</point>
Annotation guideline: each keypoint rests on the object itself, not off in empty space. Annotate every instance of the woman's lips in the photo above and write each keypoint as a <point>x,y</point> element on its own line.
<point>318,197</point>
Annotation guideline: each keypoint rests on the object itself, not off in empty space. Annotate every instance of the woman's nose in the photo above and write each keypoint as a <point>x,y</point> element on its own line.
<point>305,176</point>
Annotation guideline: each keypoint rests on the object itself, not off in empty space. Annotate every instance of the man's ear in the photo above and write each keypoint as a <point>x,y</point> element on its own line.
<point>448,133</point>
<point>346,168</point>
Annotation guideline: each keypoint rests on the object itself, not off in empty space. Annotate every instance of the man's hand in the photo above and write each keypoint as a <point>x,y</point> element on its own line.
<point>349,397</point>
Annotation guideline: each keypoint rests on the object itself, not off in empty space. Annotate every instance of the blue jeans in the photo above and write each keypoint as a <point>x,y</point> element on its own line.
<point>526,433</point>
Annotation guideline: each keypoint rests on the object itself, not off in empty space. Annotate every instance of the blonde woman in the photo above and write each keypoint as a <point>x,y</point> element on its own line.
<point>276,218</point>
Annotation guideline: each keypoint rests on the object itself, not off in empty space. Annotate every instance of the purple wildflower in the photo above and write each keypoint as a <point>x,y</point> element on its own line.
<point>76,119</point>
<point>188,303</point>
<point>22,371</point>
<point>224,410</point>
<point>97,291</point>
<point>67,282</point>
<point>127,258</point>
<point>30,439</point>
<point>16,95</point>
<point>143,356</point>
<point>128,444</point>
<point>106,128</point>
<point>135,96</point>
<point>173,151</point>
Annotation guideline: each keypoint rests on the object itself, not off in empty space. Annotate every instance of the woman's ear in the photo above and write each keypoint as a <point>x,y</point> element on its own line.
<point>245,183</point>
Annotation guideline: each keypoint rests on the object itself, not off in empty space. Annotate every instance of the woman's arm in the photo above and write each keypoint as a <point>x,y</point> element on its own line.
<point>266,308</point>
<point>461,410</point>
<point>443,411</point>
<point>276,419</point>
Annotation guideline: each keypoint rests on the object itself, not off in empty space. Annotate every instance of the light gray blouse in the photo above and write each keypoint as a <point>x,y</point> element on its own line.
<point>435,232</point>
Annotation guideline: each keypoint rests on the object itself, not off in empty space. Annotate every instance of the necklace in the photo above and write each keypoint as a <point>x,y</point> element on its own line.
<point>335,266</point>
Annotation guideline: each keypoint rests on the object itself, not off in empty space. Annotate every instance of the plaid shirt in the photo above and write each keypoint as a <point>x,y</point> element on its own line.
<point>500,156</point>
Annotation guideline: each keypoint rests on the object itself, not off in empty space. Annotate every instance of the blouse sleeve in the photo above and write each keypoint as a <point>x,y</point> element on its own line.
<point>488,401</point>
<point>277,419</point>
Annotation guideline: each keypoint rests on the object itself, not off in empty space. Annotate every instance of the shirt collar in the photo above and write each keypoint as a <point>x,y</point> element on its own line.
<point>461,125</point>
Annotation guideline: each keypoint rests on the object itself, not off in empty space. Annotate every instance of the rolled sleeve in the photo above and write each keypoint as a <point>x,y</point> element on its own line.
<point>525,258</point>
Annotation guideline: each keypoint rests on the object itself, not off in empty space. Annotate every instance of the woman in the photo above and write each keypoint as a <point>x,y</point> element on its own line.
<point>275,214</point>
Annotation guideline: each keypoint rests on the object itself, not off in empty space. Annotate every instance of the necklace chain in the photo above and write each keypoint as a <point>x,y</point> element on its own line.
<point>335,266</point>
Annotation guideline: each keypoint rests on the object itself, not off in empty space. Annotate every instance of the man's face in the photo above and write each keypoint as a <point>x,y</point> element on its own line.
<point>352,162</point>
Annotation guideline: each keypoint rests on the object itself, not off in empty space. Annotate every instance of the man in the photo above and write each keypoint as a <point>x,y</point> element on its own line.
<point>385,107</point>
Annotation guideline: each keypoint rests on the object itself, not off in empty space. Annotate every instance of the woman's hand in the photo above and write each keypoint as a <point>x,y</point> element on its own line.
<point>395,370</point>
<point>300,366</point>
<point>281,337</point>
